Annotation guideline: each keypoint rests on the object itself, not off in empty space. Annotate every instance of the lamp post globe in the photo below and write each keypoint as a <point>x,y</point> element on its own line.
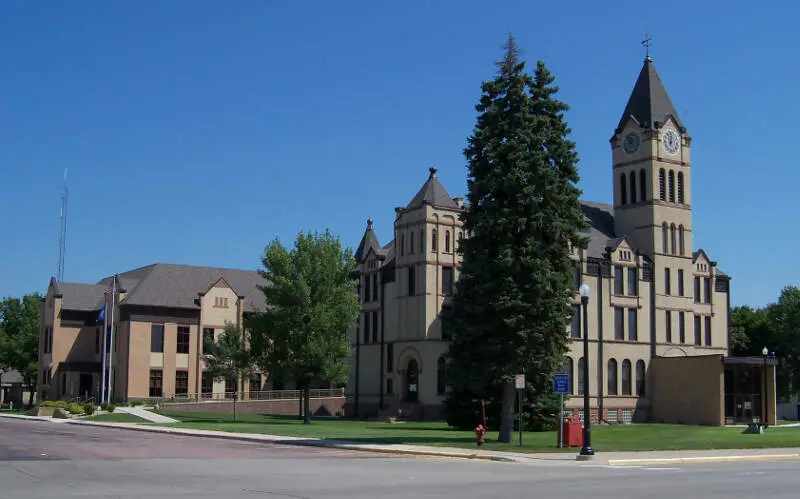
<point>586,449</point>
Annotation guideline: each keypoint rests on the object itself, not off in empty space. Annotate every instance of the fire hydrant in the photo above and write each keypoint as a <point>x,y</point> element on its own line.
<point>480,431</point>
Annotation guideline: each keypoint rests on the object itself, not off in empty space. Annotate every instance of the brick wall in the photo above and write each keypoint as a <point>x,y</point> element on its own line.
<point>324,406</point>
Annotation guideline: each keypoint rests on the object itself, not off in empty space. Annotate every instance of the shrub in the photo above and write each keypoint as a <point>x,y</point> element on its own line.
<point>88,408</point>
<point>134,403</point>
<point>103,406</point>
<point>111,407</point>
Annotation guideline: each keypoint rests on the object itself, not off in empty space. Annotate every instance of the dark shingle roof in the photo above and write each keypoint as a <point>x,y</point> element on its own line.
<point>178,286</point>
<point>434,194</point>
<point>80,297</point>
<point>649,103</point>
<point>10,377</point>
<point>601,231</point>
<point>369,240</point>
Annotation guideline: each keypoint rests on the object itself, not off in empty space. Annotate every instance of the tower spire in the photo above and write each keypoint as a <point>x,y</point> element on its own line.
<point>646,44</point>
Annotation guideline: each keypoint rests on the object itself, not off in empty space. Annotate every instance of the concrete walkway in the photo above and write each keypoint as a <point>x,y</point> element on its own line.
<point>146,415</point>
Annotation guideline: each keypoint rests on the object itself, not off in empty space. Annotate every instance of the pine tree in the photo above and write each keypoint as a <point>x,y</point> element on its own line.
<point>511,310</point>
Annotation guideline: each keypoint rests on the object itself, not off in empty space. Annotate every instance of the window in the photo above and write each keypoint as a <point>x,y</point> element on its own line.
<point>580,376</point>
<point>575,326</point>
<point>707,289</point>
<point>682,326</point>
<point>708,330</point>
<point>633,187</point>
<point>668,324</point>
<point>181,383</point>
<point>632,325</point>
<point>640,378</point>
<point>680,187</point>
<point>255,382</point>
<point>619,323</point>
<point>183,339</point>
<point>390,357</point>
<point>97,337</point>
<point>698,334</point>
<point>220,302</point>
<point>697,290</point>
<point>230,388</point>
<point>568,370</point>
<point>664,238</point>
<point>402,244</point>
<point>447,241</point>
<point>671,186</point>
<point>618,280</point>
<point>206,383</point>
<point>626,377</point>
<point>389,386</point>
<point>411,283</point>
<point>375,287</point>
<point>375,328</point>
<point>434,238</point>
<point>447,280</point>
<point>680,282</point>
<point>642,185</point>
<point>411,242</point>
<point>673,239</point>
<point>633,281</point>
<point>612,377</point>
<point>662,192</point>
<point>208,337</point>
<point>156,383</point>
<point>367,289</point>
<point>441,376</point>
<point>576,275</point>
<point>667,282</point>
<point>157,338</point>
<point>366,327</point>
<point>623,189</point>
<point>681,240</point>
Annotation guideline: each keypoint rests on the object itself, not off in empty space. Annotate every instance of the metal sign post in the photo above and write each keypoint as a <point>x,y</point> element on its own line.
<point>519,382</point>
<point>561,386</point>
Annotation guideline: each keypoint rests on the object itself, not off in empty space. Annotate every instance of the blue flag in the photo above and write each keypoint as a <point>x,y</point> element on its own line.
<point>102,315</point>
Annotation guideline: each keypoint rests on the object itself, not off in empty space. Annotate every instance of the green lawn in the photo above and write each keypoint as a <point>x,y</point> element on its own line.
<point>639,437</point>
<point>116,417</point>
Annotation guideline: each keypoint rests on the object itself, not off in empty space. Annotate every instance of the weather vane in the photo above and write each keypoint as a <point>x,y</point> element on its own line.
<point>646,44</point>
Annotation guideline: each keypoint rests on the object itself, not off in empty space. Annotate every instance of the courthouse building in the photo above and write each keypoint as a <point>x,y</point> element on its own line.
<point>658,314</point>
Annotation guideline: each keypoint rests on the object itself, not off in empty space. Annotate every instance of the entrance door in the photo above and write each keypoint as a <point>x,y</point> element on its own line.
<point>412,381</point>
<point>85,385</point>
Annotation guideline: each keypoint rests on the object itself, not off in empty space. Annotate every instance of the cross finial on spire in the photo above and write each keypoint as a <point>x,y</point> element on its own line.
<point>646,43</point>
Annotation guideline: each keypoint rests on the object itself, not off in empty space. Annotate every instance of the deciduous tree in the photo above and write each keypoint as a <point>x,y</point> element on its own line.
<point>229,358</point>
<point>19,337</point>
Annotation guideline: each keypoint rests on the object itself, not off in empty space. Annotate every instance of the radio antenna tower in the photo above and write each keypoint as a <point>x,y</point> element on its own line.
<point>62,230</point>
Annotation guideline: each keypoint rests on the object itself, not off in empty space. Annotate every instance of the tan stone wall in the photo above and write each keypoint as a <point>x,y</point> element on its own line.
<point>333,406</point>
<point>688,390</point>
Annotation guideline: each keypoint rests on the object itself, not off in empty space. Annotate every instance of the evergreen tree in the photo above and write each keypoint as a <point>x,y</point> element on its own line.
<point>511,310</point>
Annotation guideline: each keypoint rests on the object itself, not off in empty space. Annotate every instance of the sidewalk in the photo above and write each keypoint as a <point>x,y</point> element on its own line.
<point>543,458</point>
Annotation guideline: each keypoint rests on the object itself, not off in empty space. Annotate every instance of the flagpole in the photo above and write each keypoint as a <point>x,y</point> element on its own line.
<point>105,333</point>
<point>111,339</point>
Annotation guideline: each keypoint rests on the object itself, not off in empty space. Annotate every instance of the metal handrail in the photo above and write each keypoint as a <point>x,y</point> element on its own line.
<point>247,396</point>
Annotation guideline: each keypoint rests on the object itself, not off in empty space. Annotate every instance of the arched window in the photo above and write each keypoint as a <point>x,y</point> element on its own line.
<point>460,239</point>
<point>569,370</point>
<point>662,180</point>
<point>664,238</point>
<point>441,376</point>
<point>681,240</point>
<point>402,244</point>
<point>434,237</point>
<point>580,376</point>
<point>642,185</point>
<point>673,240</point>
<point>447,241</point>
<point>626,377</point>
<point>623,189</point>
<point>671,186</point>
<point>612,377</point>
<point>680,187</point>
<point>640,377</point>
<point>633,187</point>
<point>411,242</point>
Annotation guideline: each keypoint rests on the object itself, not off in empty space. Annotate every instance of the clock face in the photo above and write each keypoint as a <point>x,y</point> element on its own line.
<point>671,141</point>
<point>631,143</point>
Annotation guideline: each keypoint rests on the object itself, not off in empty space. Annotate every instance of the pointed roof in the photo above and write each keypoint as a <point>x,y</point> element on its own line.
<point>649,103</point>
<point>434,194</point>
<point>370,240</point>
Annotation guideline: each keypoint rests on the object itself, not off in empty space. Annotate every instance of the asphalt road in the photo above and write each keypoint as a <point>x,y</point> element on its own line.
<point>50,460</point>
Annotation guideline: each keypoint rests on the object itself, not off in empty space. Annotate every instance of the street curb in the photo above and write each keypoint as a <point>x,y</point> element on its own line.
<point>299,442</point>
<point>702,459</point>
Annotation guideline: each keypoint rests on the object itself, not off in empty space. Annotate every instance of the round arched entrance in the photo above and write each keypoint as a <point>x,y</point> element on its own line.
<point>412,381</point>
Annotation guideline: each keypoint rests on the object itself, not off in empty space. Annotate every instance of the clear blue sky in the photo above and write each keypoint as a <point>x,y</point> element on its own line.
<point>196,131</point>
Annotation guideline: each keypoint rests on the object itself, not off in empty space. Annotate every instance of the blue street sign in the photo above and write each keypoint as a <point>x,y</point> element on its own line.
<point>561,383</point>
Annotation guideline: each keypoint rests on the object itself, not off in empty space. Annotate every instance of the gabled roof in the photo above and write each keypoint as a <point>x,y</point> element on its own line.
<point>434,194</point>
<point>369,240</point>
<point>649,103</point>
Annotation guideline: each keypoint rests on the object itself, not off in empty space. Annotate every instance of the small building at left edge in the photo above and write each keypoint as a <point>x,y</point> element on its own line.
<point>162,314</point>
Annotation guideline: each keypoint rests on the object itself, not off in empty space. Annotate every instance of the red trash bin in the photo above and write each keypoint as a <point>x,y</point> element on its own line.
<point>572,429</point>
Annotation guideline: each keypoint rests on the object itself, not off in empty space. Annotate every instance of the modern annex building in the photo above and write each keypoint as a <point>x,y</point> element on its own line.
<point>658,311</point>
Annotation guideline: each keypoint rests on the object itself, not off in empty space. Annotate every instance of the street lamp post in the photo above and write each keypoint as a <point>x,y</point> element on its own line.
<point>586,450</point>
<point>764,353</point>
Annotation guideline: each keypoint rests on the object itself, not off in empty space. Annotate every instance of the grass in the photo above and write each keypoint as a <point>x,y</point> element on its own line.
<point>116,417</point>
<point>638,437</point>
